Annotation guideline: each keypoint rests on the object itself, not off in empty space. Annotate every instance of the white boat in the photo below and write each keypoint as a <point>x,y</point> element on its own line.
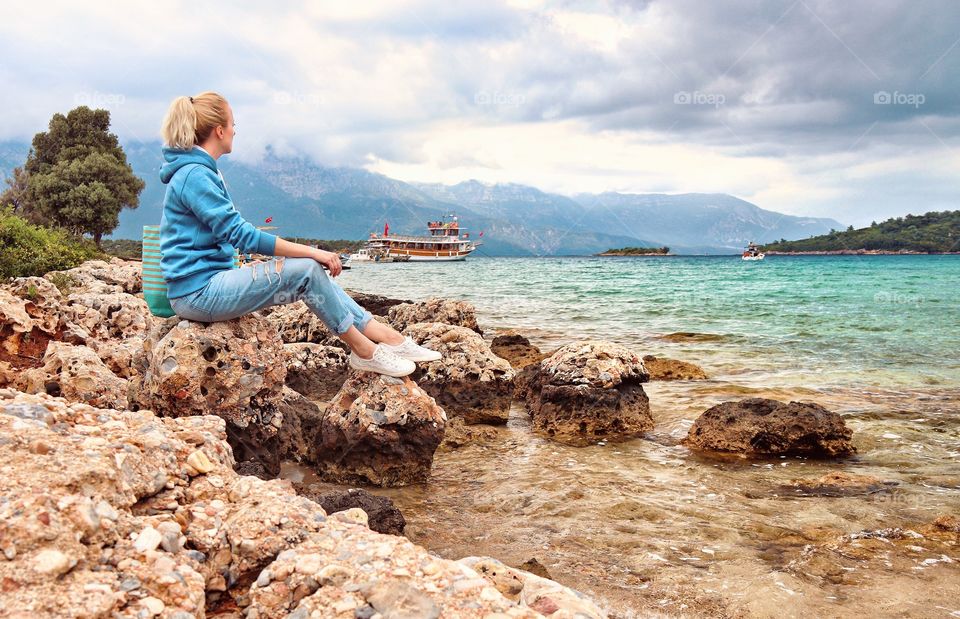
<point>446,242</point>
<point>752,252</point>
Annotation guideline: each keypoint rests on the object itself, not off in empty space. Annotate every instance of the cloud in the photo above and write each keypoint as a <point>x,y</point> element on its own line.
<point>806,106</point>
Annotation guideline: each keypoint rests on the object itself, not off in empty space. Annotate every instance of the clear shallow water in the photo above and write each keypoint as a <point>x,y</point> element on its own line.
<point>648,526</point>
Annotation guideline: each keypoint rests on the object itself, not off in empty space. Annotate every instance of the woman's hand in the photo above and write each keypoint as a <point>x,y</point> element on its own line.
<point>329,259</point>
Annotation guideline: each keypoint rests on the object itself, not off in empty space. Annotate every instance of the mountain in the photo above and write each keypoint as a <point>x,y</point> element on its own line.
<point>309,200</point>
<point>934,232</point>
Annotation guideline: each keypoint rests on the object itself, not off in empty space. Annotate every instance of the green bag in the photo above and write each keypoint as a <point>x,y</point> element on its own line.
<point>154,286</point>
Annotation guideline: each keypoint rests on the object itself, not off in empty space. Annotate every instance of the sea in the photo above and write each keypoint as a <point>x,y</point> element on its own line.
<point>648,528</point>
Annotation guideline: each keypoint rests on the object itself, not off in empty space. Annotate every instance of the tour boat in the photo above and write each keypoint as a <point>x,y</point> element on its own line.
<point>752,252</point>
<point>446,242</point>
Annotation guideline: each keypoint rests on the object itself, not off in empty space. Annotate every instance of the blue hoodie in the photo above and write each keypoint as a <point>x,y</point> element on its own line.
<point>200,226</point>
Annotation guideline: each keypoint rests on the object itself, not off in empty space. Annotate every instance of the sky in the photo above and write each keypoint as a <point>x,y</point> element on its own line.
<point>848,109</point>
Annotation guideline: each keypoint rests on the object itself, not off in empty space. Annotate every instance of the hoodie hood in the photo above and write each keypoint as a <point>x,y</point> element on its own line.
<point>175,158</point>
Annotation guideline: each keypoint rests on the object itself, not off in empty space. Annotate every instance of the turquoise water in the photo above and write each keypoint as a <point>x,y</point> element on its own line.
<point>880,321</point>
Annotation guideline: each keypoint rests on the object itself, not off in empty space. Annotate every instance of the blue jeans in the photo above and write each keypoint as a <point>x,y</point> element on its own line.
<point>277,281</point>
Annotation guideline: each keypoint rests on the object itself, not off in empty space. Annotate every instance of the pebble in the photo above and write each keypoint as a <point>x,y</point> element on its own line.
<point>199,461</point>
<point>263,580</point>
<point>309,564</point>
<point>10,552</point>
<point>148,539</point>
<point>154,605</point>
<point>53,562</point>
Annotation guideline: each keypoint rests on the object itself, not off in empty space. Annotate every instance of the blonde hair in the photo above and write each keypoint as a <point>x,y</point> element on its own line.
<point>191,120</point>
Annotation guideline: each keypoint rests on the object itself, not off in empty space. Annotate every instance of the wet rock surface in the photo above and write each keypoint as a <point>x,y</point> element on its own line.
<point>451,312</point>
<point>589,391</point>
<point>458,433</point>
<point>376,304</point>
<point>382,515</point>
<point>113,513</point>
<point>760,427</point>
<point>379,430</point>
<point>516,349</point>
<point>662,368</point>
<point>469,381</point>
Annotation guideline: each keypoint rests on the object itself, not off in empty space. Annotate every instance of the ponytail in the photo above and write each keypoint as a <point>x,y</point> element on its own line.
<point>191,120</point>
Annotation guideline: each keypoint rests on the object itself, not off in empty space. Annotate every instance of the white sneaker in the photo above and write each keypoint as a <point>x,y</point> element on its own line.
<point>383,362</point>
<point>408,349</point>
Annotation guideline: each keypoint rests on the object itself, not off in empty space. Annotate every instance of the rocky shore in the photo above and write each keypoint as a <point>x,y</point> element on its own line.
<point>141,456</point>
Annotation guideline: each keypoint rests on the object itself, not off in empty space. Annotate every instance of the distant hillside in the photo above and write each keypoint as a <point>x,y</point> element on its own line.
<point>309,200</point>
<point>935,232</point>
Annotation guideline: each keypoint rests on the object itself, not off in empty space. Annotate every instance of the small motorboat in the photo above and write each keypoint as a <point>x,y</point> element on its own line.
<point>752,252</point>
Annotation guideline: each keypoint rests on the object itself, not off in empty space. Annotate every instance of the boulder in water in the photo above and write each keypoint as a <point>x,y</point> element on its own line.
<point>589,391</point>
<point>662,368</point>
<point>760,427</point>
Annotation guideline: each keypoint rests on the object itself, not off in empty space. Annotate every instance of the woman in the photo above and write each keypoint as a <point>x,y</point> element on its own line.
<point>200,229</point>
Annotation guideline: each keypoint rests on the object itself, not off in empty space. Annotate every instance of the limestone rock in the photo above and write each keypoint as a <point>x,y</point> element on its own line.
<point>316,370</point>
<point>662,368</point>
<point>835,483</point>
<point>117,275</point>
<point>77,374</point>
<point>451,312</point>
<point>589,391</point>
<point>469,381</point>
<point>42,301</point>
<point>297,323</point>
<point>107,315</point>
<point>516,349</point>
<point>300,434</point>
<point>457,433</point>
<point>759,426</point>
<point>379,430</point>
<point>78,508</point>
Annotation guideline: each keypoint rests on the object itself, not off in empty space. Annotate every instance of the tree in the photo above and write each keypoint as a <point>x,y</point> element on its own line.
<point>16,193</point>
<point>78,177</point>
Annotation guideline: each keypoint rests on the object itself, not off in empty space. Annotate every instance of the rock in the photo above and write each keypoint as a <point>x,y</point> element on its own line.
<point>148,540</point>
<point>835,483</point>
<point>374,303</point>
<point>24,337</point>
<point>99,276</point>
<point>106,315</point>
<point>531,590</point>
<point>516,349</point>
<point>758,426</point>
<point>316,370</point>
<point>242,542</point>
<point>535,567</point>
<point>77,374</point>
<point>234,369</point>
<point>457,433</point>
<point>42,301</point>
<point>53,562</point>
<point>589,391</point>
<point>379,430</point>
<point>469,381</point>
<point>661,368</point>
<point>296,322</point>
<point>382,514</point>
<point>457,313</point>
<point>687,336</point>
<point>300,435</point>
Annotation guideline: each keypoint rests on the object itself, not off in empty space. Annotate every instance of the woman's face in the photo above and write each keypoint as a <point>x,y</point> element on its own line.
<point>226,139</point>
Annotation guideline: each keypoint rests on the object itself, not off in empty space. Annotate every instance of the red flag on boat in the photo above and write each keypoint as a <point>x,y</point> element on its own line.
<point>268,220</point>
<point>481,233</point>
<point>386,228</point>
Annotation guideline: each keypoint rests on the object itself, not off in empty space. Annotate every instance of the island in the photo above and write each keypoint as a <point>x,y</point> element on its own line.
<point>932,233</point>
<point>637,251</point>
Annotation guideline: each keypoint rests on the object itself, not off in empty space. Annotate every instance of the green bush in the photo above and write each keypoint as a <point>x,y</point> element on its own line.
<point>26,249</point>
